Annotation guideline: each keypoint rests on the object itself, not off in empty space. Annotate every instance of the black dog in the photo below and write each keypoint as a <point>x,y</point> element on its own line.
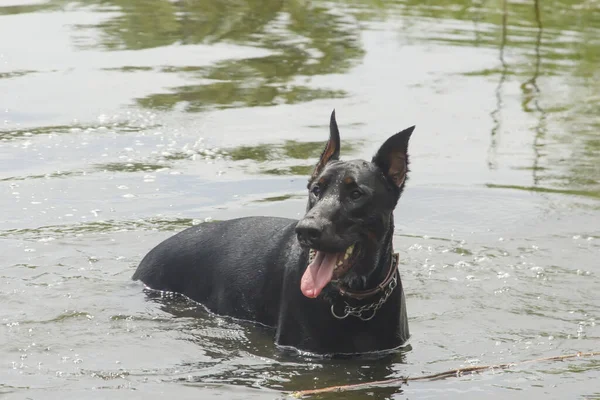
<point>329,283</point>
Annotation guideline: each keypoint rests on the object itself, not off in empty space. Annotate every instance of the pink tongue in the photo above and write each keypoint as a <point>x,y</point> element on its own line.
<point>318,274</point>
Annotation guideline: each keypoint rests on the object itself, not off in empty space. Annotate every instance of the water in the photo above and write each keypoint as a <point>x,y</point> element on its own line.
<point>123,122</point>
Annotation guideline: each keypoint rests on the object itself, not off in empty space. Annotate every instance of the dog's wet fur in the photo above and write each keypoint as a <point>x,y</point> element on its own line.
<point>257,268</point>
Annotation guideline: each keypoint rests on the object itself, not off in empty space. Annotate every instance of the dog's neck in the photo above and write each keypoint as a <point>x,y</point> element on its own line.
<point>383,258</point>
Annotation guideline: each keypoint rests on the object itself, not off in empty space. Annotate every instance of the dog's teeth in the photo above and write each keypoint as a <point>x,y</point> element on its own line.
<point>348,252</point>
<point>311,255</point>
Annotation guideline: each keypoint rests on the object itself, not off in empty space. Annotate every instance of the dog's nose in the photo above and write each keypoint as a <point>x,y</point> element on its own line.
<point>308,231</point>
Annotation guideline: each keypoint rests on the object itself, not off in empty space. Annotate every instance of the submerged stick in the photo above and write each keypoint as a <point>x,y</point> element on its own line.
<point>433,377</point>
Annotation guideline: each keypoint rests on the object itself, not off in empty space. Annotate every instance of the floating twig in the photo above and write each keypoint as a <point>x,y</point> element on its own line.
<point>432,377</point>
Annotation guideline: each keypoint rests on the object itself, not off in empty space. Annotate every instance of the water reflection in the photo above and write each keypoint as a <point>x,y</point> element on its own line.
<point>317,39</point>
<point>60,231</point>
<point>496,113</point>
<point>304,40</point>
<point>24,133</point>
<point>531,92</point>
<point>28,8</point>
<point>278,198</point>
<point>233,94</point>
<point>267,154</point>
<point>130,167</point>
<point>538,189</point>
<point>303,170</point>
<point>559,63</point>
<point>289,149</point>
<point>14,74</point>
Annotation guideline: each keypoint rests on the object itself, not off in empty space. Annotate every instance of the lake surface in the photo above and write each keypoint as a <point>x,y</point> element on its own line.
<point>125,121</point>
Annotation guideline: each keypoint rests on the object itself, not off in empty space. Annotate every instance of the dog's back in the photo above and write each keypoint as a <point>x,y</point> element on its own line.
<point>233,267</point>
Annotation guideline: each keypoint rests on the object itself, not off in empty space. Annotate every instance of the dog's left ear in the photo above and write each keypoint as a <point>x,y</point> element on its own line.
<point>392,156</point>
<point>332,149</point>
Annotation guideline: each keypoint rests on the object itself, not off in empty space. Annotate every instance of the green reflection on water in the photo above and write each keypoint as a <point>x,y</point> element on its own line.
<point>120,127</point>
<point>592,194</point>
<point>233,94</point>
<point>260,153</point>
<point>551,49</point>
<point>289,149</point>
<point>304,170</point>
<point>28,8</point>
<point>303,39</point>
<point>20,133</point>
<point>15,74</point>
<point>57,174</point>
<point>277,198</point>
<point>130,167</point>
<point>545,47</point>
<point>57,231</point>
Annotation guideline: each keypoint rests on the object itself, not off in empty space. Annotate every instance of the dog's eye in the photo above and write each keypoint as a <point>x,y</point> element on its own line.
<point>316,191</point>
<point>356,194</point>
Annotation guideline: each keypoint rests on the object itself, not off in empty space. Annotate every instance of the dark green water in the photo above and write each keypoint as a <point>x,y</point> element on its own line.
<point>123,122</point>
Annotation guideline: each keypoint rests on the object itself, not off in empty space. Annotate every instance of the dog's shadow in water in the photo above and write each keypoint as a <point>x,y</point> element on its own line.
<point>231,343</point>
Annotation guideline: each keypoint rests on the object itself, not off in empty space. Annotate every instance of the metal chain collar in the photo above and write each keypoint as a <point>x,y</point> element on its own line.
<point>369,309</point>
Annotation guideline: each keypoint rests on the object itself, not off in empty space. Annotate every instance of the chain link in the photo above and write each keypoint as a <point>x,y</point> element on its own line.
<point>358,312</point>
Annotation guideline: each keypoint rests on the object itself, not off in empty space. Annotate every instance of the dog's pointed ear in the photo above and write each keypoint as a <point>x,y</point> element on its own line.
<point>392,157</point>
<point>332,149</point>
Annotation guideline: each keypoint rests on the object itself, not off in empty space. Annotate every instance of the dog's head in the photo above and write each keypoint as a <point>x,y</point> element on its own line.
<point>349,213</point>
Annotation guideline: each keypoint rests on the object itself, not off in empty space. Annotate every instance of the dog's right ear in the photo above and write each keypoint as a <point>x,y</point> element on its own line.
<point>332,149</point>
